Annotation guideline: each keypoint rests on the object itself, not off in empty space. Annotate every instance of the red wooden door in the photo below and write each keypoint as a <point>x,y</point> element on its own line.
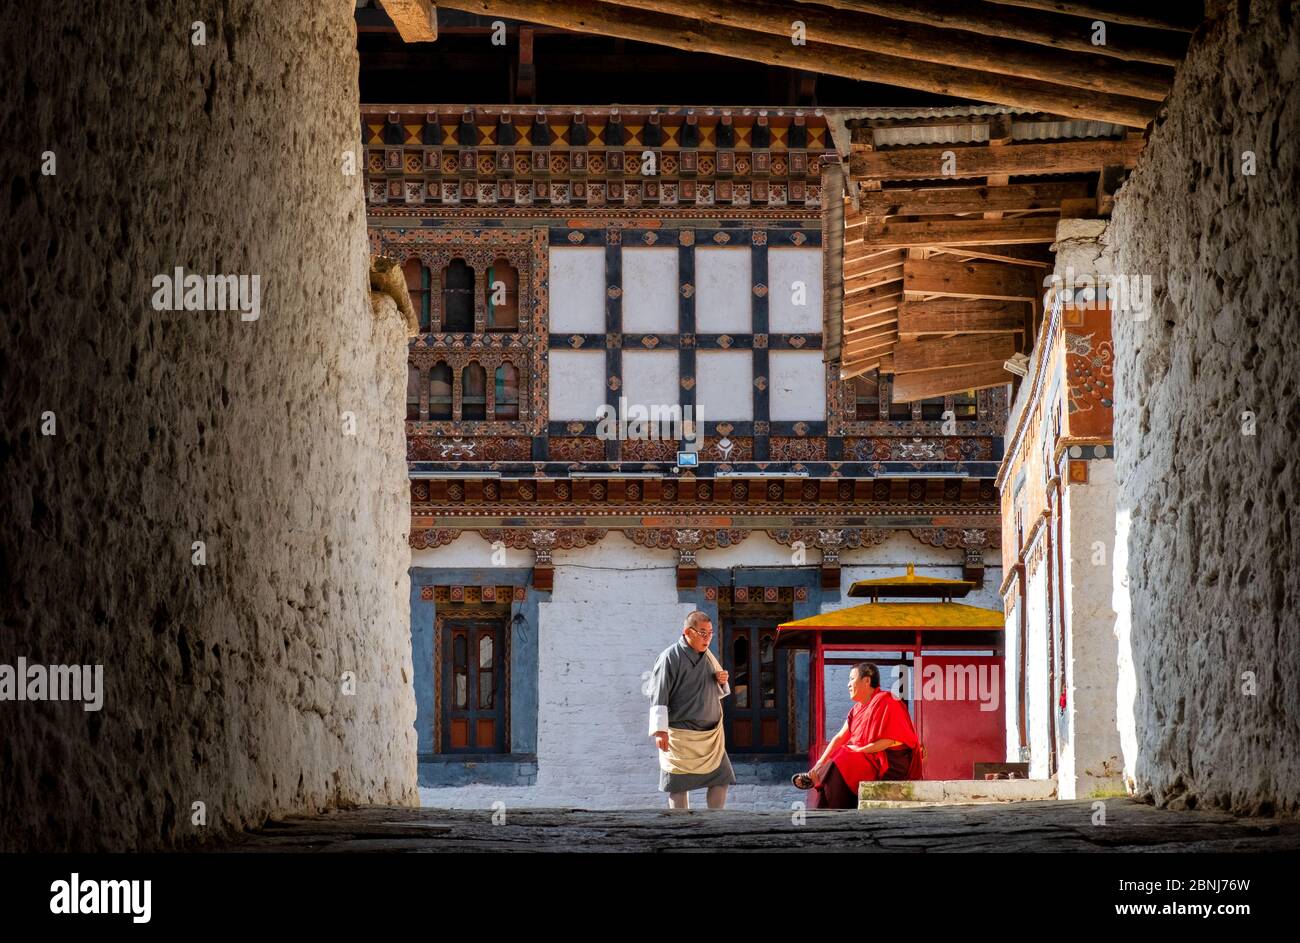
<point>956,732</point>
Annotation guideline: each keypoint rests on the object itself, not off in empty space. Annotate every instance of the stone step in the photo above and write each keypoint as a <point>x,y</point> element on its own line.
<point>944,790</point>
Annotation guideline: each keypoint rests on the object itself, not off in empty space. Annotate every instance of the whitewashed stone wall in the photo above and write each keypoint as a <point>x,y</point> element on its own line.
<point>1213,549</point>
<point>1091,762</point>
<point>222,681</point>
<point>613,609</point>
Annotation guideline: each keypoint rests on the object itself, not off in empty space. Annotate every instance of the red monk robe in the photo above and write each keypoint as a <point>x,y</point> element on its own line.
<point>882,718</point>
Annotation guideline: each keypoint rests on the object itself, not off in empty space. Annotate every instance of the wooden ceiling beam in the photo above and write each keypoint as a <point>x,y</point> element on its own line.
<point>1179,17</point>
<point>984,52</point>
<point>1036,256</point>
<point>868,274</point>
<point>884,337</point>
<point>951,200</point>
<point>869,313</point>
<point>593,16</point>
<point>858,367</point>
<point>875,324</point>
<point>958,232</point>
<point>1058,157</point>
<point>1045,29</point>
<point>966,316</point>
<point>964,350</point>
<point>971,280</point>
<point>416,20</point>
<point>909,387</point>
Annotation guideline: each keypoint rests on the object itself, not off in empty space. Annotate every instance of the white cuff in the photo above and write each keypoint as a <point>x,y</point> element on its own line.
<point>658,719</point>
<point>725,689</point>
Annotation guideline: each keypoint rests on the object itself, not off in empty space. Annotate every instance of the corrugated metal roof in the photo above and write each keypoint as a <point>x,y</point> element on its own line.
<point>851,115</point>
<point>969,125</point>
<point>968,132</point>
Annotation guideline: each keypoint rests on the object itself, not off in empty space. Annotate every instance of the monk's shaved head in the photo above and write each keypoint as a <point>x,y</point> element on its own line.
<point>695,618</point>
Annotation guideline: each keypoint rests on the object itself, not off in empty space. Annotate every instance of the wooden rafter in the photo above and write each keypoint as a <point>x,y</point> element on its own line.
<point>1182,17</point>
<point>701,35</point>
<point>951,200</point>
<point>924,384</point>
<point>990,280</point>
<point>983,52</point>
<point>960,351</point>
<point>1046,29</point>
<point>959,232</point>
<point>968,316</point>
<point>416,20</point>
<point>1060,157</point>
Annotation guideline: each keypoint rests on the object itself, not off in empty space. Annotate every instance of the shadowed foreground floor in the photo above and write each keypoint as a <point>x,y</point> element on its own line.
<point>1023,826</point>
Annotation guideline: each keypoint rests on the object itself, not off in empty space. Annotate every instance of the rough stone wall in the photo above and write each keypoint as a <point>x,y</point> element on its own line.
<point>222,681</point>
<point>1212,551</point>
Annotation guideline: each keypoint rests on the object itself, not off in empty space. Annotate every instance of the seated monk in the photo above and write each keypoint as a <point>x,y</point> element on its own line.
<point>877,741</point>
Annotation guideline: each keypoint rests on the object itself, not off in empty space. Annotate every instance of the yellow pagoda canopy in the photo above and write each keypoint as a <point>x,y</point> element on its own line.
<point>901,615</point>
<point>865,622</point>
<point>911,585</point>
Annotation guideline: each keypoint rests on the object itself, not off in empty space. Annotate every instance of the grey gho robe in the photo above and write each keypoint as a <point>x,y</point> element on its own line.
<point>685,696</point>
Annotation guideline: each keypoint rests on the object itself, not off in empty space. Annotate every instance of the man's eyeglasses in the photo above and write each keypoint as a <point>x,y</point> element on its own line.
<point>703,633</point>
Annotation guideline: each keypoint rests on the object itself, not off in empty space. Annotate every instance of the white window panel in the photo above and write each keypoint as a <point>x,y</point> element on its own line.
<point>786,270</point>
<point>577,292</point>
<point>577,381</point>
<point>650,378</point>
<point>797,385</point>
<point>724,290</point>
<point>650,290</point>
<point>724,385</point>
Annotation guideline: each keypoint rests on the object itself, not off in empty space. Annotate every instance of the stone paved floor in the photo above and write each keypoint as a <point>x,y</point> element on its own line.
<point>1021,826</point>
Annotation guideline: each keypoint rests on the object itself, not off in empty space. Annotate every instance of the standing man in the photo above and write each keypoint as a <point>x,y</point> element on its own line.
<point>687,686</point>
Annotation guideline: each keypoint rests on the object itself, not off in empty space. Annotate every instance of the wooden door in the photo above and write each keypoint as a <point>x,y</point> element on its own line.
<point>473,686</point>
<point>756,711</point>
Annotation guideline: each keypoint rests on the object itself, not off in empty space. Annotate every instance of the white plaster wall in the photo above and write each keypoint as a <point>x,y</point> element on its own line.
<point>650,378</point>
<point>577,296</point>
<point>1010,707</point>
<point>724,385</point>
<point>1091,758</point>
<point>650,286</point>
<point>724,293</point>
<point>785,267</point>
<point>1126,680</point>
<point>797,381</point>
<point>1037,700</point>
<point>577,385</point>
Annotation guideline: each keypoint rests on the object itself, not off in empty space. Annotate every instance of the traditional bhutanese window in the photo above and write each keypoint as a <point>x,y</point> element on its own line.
<point>502,297</point>
<point>473,392</point>
<point>964,406</point>
<point>756,715</point>
<point>507,392</point>
<point>900,411</point>
<point>866,396</point>
<point>932,409</point>
<point>417,283</point>
<point>412,392</point>
<point>440,392</point>
<point>458,297</point>
<point>474,695</point>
